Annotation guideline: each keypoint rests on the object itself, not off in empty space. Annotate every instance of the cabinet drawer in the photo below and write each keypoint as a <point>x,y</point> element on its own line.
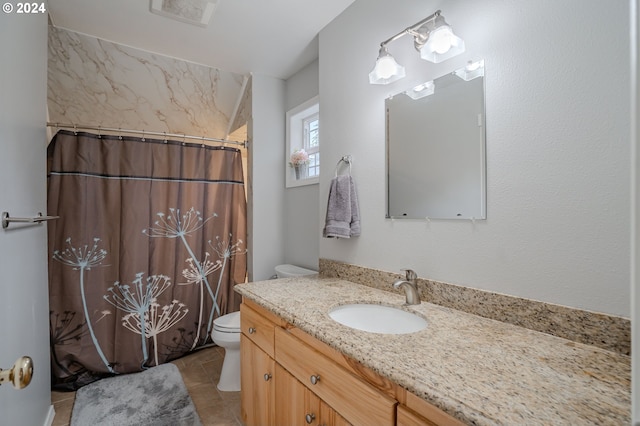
<point>257,328</point>
<point>351,397</point>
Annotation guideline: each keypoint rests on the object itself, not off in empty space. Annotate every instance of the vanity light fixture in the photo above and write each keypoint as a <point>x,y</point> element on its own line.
<point>471,70</point>
<point>432,37</point>
<point>421,90</point>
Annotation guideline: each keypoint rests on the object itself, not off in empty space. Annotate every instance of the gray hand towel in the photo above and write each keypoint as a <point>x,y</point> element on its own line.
<point>343,216</point>
<point>355,210</point>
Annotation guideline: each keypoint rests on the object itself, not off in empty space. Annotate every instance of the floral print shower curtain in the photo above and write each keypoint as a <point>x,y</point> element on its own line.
<point>145,254</point>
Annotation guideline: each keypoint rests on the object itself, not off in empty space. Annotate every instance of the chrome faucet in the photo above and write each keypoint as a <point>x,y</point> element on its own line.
<point>409,286</point>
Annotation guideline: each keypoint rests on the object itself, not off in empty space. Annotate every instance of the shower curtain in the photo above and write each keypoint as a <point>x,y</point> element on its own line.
<point>145,254</point>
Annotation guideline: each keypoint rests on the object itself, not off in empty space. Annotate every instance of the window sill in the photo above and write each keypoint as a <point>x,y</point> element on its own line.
<point>292,182</point>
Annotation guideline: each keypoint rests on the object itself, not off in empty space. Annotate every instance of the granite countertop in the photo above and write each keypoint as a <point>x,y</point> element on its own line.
<point>479,370</point>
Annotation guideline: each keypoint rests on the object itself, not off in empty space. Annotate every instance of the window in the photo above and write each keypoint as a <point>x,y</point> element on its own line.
<point>312,144</point>
<point>303,144</point>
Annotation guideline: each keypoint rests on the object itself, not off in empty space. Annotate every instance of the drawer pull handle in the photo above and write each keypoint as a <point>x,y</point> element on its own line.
<point>252,330</point>
<point>315,379</point>
<point>267,376</point>
<point>310,418</point>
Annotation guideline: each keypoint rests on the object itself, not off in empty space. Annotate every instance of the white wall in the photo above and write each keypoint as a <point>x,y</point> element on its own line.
<point>301,203</point>
<point>558,172</point>
<point>266,177</point>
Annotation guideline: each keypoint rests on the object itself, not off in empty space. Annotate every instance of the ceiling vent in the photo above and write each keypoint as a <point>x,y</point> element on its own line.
<point>195,12</point>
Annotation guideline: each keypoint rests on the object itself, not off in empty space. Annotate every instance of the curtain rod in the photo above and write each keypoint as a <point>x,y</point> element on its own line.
<point>75,127</point>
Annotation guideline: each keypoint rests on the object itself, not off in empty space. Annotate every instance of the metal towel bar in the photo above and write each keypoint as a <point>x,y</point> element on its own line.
<point>347,159</point>
<point>7,219</point>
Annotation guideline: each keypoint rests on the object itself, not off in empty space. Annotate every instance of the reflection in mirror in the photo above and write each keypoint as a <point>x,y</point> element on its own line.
<point>436,148</point>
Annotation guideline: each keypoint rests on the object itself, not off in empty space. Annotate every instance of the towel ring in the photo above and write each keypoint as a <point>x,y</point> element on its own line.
<point>345,159</point>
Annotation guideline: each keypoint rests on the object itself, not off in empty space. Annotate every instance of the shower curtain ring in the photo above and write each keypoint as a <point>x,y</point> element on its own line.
<point>165,137</point>
<point>143,139</point>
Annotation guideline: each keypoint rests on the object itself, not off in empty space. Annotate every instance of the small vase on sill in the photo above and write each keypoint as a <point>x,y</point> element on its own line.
<point>301,171</point>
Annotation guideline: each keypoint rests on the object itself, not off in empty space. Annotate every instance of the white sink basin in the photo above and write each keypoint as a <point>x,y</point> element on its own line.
<point>377,318</point>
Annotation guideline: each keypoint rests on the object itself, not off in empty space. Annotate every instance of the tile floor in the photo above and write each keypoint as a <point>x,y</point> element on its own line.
<point>200,372</point>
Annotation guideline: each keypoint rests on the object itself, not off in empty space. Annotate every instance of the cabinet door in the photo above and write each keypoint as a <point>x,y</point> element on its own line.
<point>257,382</point>
<point>407,417</point>
<point>417,411</point>
<point>328,416</point>
<point>338,420</point>
<point>290,399</point>
<point>297,405</point>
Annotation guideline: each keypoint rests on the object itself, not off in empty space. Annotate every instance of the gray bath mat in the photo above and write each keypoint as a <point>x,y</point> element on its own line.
<point>156,396</point>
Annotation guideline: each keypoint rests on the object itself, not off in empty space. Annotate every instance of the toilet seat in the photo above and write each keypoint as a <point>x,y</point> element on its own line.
<point>229,323</point>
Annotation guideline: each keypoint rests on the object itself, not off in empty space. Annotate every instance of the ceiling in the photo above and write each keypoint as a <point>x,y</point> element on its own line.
<point>275,38</point>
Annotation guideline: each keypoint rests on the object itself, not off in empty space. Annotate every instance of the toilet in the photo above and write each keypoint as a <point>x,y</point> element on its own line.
<point>226,334</point>
<point>286,271</point>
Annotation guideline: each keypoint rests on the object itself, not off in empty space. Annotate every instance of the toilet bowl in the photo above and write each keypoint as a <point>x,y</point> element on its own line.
<point>226,334</point>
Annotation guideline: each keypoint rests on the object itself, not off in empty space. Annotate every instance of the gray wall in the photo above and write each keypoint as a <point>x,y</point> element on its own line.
<point>558,118</point>
<point>266,177</point>
<point>301,234</point>
<point>283,223</point>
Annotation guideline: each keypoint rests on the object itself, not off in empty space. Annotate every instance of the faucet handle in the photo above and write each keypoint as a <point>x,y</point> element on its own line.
<point>410,274</point>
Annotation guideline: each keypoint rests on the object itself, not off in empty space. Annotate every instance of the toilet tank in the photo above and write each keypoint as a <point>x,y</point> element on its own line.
<point>286,270</point>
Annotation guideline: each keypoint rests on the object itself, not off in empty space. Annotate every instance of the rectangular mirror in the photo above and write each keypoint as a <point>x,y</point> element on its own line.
<point>436,165</point>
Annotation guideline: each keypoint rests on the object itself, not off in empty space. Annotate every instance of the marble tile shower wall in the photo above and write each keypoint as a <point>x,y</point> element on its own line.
<point>604,331</point>
<point>99,83</point>
<point>243,114</point>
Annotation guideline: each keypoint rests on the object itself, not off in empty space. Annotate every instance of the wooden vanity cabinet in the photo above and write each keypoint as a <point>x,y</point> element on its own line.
<point>290,378</point>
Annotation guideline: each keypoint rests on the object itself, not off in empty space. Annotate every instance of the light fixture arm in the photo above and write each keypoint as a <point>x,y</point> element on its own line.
<point>413,30</point>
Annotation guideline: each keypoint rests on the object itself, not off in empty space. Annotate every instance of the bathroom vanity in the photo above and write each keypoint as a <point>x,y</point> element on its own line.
<point>299,366</point>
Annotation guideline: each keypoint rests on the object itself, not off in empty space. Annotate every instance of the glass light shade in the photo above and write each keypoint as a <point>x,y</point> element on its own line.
<point>421,90</point>
<point>386,70</point>
<point>471,70</point>
<point>441,45</point>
